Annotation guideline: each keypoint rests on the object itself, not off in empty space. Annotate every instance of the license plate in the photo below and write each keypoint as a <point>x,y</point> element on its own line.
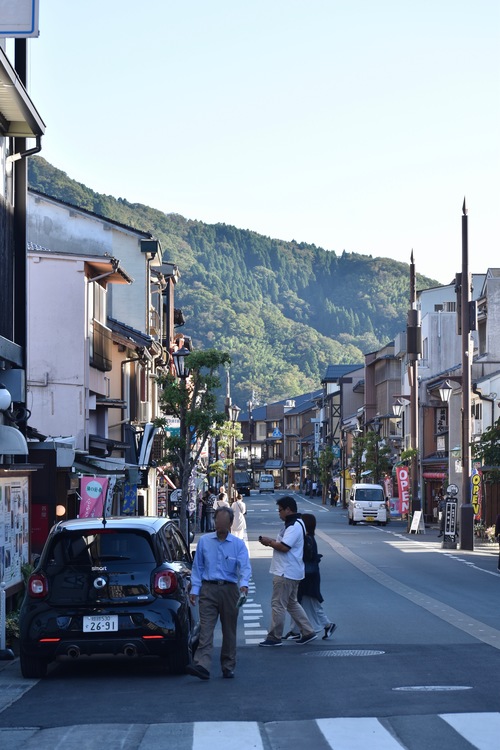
<point>370,518</point>
<point>100,623</point>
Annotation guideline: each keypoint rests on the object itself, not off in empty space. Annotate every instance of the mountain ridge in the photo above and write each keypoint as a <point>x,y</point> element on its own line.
<point>283,310</point>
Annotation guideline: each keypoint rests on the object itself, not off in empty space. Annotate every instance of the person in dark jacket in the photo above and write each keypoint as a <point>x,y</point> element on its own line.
<point>309,593</point>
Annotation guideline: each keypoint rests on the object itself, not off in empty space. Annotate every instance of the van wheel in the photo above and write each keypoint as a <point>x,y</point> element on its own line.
<point>350,521</point>
<point>354,522</point>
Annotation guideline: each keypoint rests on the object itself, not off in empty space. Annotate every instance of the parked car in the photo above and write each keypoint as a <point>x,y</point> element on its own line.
<point>113,586</point>
<point>367,503</point>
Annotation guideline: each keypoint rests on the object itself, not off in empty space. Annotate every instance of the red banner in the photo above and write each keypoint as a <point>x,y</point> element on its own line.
<point>403,476</point>
<point>93,492</point>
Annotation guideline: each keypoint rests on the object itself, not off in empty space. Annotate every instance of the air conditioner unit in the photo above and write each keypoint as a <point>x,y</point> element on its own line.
<point>476,427</point>
<point>144,411</point>
<point>289,404</point>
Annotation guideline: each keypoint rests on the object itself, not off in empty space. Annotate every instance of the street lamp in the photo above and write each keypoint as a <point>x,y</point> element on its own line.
<point>445,392</point>
<point>376,426</point>
<point>233,412</point>
<point>250,430</point>
<point>182,369</point>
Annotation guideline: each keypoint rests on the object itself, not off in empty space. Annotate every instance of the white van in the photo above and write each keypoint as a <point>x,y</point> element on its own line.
<point>266,483</point>
<point>367,503</point>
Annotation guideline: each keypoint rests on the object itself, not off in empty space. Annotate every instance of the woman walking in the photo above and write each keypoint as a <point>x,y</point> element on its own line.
<point>239,526</point>
<point>309,594</point>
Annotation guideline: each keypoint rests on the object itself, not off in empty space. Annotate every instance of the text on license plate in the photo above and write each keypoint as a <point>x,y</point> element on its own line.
<point>100,623</point>
<point>370,518</point>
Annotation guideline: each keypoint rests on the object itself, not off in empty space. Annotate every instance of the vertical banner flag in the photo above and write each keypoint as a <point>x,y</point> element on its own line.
<point>476,493</point>
<point>129,499</point>
<point>403,476</point>
<point>108,508</point>
<point>93,492</point>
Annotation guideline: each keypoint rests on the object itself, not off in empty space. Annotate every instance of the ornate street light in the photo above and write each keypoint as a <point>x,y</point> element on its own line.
<point>182,369</point>
<point>445,392</point>
<point>233,413</point>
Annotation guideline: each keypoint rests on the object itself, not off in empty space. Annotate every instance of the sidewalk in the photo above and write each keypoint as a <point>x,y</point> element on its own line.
<point>397,524</point>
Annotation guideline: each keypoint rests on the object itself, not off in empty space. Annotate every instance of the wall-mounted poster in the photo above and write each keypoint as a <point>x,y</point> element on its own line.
<point>14,532</point>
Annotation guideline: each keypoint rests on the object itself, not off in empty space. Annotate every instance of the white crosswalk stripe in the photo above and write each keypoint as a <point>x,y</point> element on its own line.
<point>480,730</point>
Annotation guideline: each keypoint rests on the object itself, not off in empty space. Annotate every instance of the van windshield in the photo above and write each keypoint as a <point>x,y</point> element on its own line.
<point>370,493</point>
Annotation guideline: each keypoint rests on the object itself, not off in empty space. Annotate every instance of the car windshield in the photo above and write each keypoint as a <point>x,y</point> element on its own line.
<point>374,494</point>
<point>93,547</point>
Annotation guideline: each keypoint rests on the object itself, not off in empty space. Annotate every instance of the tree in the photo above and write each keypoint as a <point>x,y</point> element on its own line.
<point>194,402</point>
<point>487,450</point>
<point>377,456</point>
<point>326,461</point>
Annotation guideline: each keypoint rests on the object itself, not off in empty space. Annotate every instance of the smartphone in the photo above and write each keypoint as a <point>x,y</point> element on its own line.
<point>241,601</point>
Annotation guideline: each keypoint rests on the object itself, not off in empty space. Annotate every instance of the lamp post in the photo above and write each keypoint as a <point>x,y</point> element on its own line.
<point>183,371</point>
<point>233,412</point>
<point>376,426</point>
<point>250,430</point>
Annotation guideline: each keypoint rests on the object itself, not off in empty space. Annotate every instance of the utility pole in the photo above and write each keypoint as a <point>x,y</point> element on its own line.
<point>466,509</point>
<point>414,350</point>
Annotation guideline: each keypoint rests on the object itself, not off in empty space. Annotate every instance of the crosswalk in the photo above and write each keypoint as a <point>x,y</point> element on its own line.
<point>447,731</point>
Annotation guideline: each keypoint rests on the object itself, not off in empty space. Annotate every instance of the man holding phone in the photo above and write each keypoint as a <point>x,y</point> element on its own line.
<point>287,567</point>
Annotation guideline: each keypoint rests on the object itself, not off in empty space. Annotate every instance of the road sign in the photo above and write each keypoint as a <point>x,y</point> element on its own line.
<point>277,433</point>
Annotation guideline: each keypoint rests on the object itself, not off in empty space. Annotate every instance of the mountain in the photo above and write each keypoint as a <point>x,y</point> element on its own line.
<point>283,310</point>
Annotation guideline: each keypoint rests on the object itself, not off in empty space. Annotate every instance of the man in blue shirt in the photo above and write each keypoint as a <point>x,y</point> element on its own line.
<point>221,573</point>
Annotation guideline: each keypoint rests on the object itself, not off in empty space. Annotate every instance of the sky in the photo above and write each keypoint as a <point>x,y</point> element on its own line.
<point>355,125</point>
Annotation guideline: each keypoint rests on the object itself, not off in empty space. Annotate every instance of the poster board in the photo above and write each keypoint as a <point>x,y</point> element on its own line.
<point>14,531</point>
<point>417,523</point>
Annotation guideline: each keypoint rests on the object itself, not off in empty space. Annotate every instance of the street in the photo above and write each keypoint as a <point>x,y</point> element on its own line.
<point>414,661</point>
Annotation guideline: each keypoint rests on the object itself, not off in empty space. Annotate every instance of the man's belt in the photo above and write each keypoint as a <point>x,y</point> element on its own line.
<point>219,583</point>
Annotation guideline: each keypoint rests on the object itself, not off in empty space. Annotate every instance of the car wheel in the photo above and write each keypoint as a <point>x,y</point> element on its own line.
<point>350,521</point>
<point>354,522</point>
<point>33,667</point>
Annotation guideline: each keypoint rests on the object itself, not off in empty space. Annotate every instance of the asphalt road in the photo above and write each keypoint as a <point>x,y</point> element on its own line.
<point>417,644</point>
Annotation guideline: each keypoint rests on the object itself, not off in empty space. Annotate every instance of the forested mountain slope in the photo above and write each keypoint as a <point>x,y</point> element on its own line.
<point>283,310</point>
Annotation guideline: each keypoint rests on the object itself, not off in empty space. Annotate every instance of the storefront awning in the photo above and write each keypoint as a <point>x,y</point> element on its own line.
<point>273,464</point>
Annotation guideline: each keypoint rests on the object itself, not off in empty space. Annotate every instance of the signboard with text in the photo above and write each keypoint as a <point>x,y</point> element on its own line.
<point>19,18</point>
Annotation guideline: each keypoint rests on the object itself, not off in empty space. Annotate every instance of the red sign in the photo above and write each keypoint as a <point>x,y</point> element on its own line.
<point>403,476</point>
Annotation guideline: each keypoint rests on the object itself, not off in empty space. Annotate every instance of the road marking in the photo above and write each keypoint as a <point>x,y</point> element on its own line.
<point>460,620</point>
<point>430,688</point>
<point>351,734</point>
<point>481,730</point>
<point>226,735</point>
<point>345,652</point>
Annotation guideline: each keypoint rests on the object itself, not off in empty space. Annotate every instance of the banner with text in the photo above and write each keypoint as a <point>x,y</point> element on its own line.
<point>403,477</point>
<point>93,491</point>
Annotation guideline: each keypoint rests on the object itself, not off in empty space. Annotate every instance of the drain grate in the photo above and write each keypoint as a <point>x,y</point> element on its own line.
<point>345,652</point>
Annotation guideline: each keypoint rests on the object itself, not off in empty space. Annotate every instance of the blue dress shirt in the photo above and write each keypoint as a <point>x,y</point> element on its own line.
<point>217,560</point>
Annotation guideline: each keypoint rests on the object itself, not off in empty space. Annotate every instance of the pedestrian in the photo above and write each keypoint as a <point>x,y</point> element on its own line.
<point>207,512</point>
<point>497,534</point>
<point>239,527</point>
<point>287,568</point>
<point>314,488</point>
<point>221,501</point>
<point>309,593</point>
<point>441,512</point>
<point>334,494</point>
<point>220,575</point>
